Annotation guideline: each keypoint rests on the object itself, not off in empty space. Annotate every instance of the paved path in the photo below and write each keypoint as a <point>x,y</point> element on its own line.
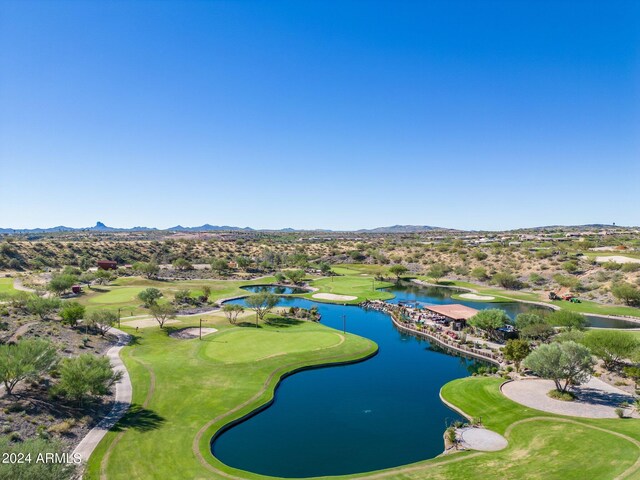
<point>481,439</point>
<point>595,399</point>
<point>122,399</point>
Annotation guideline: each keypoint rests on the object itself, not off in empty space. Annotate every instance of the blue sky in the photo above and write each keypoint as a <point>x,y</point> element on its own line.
<point>344,115</point>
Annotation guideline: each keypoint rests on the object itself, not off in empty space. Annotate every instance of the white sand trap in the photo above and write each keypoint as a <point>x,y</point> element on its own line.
<point>147,322</point>
<point>481,439</point>
<point>333,296</point>
<point>617,259</point>
<point>475,296</point>
<point>193,332</point>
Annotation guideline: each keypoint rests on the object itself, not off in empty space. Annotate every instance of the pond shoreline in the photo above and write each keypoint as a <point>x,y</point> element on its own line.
<point>530,302</point>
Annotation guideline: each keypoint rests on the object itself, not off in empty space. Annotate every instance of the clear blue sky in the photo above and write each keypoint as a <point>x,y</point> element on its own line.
<point>344,114</point>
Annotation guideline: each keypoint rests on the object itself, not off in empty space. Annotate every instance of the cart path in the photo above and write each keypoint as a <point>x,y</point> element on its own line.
<point>122,400</point>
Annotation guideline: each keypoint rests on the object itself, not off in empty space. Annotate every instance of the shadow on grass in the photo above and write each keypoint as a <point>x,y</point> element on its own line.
<point>140,419</point>
<point>283,322</point>
<point>248,325</point>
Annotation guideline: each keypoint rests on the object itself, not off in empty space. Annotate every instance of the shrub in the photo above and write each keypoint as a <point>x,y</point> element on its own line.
<point>507,280</point>
<point>71,312</point>
<point>84,377</point>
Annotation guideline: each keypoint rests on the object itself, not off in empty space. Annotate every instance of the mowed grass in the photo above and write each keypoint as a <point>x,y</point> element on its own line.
<point>181,385</point>
<point>249,345</point>
<point>6,285</point>
<point>541,445</point>
<point>362,287</point>
<point>123,292</point>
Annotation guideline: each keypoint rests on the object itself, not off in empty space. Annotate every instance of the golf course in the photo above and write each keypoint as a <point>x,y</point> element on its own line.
<point>187,392</point>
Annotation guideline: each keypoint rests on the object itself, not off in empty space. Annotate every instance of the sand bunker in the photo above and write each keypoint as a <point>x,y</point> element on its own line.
<point>475,296</point>
<point>617,259</point>
<point>147,322</point>
<point>333,296</point>
<point>193,332</point>
<point>481,439</point>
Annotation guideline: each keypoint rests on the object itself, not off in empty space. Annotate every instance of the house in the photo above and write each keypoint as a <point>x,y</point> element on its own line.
<point>107,265</point>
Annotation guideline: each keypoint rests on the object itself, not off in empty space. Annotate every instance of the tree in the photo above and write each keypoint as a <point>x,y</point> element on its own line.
<point>24,360</point>
<point>567,363</point>
<point>279,276</point>
<point>566,319</point>
<point>243,262</point>
<point>42,307</point>
<point>516,351</point>
<point>162,313</point>
<point>150,296</point>
<point>437,271</point>
<point>569,336</point>
<point>206,292</point>
<point>626,292</point>
<point>232,311</point>
<point>59,284</point>
<point>489,321</point>
<point>85,376</point>
<point>182,264</point>
<point>102,321</point>
<point>537,331</point>
<point>295,276</point>
<point>398,270</point>
<point>148,269</point>
<point>610,346</point>
<point>325,268</point>
<point>71,312</point>
<point>262,303</point>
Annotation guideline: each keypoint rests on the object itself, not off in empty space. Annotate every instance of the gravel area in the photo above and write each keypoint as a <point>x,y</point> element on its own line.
<point>595,399</point>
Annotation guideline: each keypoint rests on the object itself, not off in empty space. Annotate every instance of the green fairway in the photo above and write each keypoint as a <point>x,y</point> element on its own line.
<point>362,287</point>
<point>249,345</point>
<point>122,293</point>
<point>6,285</point>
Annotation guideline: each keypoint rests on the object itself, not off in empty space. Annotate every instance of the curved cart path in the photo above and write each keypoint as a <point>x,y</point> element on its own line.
<point>121,403</point>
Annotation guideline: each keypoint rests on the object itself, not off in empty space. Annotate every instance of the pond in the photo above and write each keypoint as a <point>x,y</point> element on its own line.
<point>379,413</point>
<point>275,289</point>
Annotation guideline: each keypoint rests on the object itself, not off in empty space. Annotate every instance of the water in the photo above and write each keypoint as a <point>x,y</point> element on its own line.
<point>412,292</point>
<point>276,289</point>
<point>380,413</point>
